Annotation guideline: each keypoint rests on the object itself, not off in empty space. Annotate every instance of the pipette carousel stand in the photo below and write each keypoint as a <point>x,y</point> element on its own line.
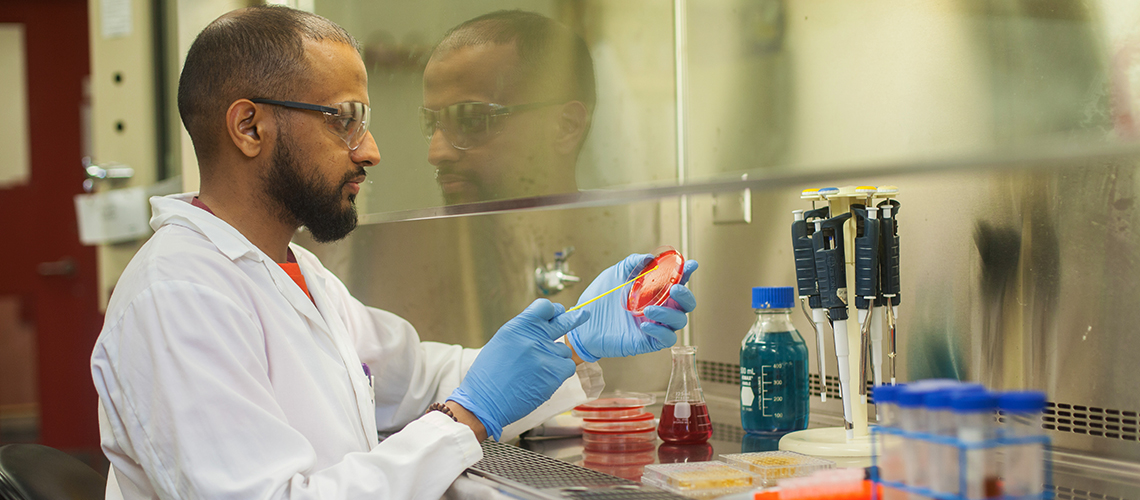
<point>835,443</point>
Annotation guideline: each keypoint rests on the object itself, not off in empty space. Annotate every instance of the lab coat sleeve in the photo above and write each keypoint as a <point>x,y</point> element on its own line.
<point>189,390</point>
<point>411,374</point>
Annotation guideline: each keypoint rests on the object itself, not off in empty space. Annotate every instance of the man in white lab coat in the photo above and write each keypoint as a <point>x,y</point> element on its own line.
<point>232,364</point>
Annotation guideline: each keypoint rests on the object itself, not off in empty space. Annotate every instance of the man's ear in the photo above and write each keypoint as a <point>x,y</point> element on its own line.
<point>249,126</point>
<point>572,125</point>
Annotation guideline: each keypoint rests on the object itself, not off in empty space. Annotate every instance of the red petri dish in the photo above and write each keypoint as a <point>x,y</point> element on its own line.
<point>623,418</point>
<point>629,458</point>
<point>614,406</point>
<point>639,423</point>
<point>621,442</point>
<point>653,288</point>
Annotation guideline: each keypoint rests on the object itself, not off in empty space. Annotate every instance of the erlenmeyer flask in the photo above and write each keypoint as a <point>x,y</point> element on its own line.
<point>685,418</point>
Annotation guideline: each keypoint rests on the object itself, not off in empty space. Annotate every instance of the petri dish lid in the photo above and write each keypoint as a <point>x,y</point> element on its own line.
<point>623,437</point>
<point>639,417</point>
<point>615,406</point>
<point>642,423</point>
<point>653,288</point>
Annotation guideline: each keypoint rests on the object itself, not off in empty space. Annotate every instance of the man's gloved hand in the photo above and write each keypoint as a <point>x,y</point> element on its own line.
<point>520,367</point>
<point>613,332</point>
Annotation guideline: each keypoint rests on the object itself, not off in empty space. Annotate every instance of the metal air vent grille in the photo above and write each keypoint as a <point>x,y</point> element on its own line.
<point>728,373</point>
<point>1064,493</point>
<point>1060,417</point>
<point>1090,420</point>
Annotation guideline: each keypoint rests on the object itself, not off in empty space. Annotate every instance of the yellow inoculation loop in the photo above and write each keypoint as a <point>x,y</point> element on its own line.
<point>612,290</point>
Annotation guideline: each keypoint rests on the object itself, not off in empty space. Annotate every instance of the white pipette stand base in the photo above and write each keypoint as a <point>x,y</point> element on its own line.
<point>830,443</point>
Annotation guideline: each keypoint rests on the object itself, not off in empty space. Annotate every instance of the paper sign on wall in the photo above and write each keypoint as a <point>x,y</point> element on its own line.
<point>112,216</point>
<point>116,18</point>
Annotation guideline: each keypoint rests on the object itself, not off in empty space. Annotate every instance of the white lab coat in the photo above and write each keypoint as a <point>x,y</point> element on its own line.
<point>218,378</point>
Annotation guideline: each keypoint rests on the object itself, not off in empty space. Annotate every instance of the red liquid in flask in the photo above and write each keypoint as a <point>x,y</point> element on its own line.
<point>697,428</point>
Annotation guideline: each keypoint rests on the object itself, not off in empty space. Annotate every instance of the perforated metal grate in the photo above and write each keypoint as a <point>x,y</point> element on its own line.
<point>1060,417</point>
<point>1090,420</point>
<point>728,373</point>
<point>1063,493</point>
<point>721,373</point>
<point>538,471</point>
<point>570,481</point>
<point>618,493</point>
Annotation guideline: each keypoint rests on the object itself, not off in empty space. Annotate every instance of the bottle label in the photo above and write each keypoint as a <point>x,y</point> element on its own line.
<point>682,410</point>
<point>747,393</point>
<point>746,397</point>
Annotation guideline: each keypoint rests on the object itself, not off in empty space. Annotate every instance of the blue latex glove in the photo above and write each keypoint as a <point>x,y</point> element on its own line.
<point>520,367</point>
<point>613,332</point>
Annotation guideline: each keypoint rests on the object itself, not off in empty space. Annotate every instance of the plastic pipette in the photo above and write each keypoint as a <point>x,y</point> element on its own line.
<point>612,290</point>
<point>831,274</point>
<point>802,229</point>
<point>866,285</point>
<point>889,267</point>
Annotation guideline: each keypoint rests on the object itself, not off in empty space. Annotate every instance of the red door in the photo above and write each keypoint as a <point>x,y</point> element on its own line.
<point>44,268</point>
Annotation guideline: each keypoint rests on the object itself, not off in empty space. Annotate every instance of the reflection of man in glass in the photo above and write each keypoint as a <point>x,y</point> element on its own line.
<point>507,104</point>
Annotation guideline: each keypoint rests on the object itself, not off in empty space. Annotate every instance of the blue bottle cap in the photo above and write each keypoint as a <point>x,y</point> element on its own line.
<point>912,396</point>
<point>940,398</point>
<point>1021,401</point>
<point>886,393</point>
<point>934,382</point>
<point>973,402</point>
<point>773,297</point>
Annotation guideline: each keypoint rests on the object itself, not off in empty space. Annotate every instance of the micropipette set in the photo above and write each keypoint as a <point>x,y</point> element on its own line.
<point>854,235</point>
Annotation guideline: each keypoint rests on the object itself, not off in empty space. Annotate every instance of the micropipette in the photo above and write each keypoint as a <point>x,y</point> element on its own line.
<point>889,267</point>
<point>802,230</point>
<point>866,283</point>
<point>831,274</point>
<point>612,290</point>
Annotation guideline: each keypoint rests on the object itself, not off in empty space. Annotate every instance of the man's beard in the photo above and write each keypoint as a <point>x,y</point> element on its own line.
<point>302,196</point>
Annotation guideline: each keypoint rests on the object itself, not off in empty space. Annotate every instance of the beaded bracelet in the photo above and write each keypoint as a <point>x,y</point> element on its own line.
<point>442,408</point>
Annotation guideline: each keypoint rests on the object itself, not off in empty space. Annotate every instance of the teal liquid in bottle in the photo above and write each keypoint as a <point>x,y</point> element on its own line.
<point>774,395</point>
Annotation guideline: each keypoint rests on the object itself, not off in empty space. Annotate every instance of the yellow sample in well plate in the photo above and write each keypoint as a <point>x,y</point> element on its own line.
<point>772,465</point>
<point>699,475</point>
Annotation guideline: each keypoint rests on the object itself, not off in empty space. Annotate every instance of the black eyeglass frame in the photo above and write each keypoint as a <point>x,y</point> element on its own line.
<point>319,108</point>
<point>497,111</point>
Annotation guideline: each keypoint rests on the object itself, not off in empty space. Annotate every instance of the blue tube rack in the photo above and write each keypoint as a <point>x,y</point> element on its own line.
<point>877,433</point>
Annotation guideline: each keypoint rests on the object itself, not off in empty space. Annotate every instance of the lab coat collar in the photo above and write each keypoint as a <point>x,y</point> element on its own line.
<point>176,209</point>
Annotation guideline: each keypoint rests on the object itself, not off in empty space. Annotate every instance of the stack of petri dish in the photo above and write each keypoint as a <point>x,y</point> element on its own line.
<point>771,466</point>
<point>701,480</point>
<point>618,423</point>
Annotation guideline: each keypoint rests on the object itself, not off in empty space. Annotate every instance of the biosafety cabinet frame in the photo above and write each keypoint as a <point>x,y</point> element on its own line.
<point>1007,125</point>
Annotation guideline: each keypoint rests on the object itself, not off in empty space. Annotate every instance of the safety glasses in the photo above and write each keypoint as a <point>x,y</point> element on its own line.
<point>468,124</point>
<point>348,120</point>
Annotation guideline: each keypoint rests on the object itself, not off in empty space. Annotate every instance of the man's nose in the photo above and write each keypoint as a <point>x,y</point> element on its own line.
<point>440,149</point>
<point>367,154</point>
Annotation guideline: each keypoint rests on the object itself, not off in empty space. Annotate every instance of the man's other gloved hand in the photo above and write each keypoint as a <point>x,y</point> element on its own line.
<point>613,332</point>
<point>520,367</point>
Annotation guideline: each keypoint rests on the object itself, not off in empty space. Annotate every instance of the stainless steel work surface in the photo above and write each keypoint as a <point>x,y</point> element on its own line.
<point>528,474</point>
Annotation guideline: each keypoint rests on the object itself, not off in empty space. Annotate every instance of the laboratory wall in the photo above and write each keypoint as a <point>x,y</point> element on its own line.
<point>1007,125</point>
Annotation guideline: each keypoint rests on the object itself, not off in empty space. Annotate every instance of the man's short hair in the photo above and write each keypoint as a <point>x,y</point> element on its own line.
<point>554,62</point>
<point>256,52</point>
